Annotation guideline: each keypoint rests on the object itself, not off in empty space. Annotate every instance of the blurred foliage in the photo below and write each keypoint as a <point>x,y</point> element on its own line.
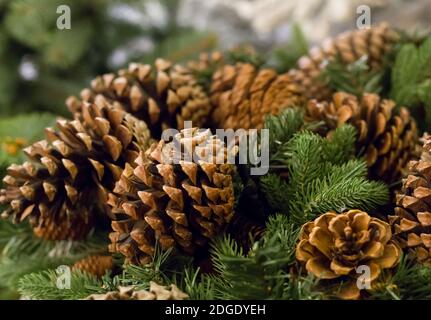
<point>16,132</point>
<point>41,65</point>
<point>286,56</point>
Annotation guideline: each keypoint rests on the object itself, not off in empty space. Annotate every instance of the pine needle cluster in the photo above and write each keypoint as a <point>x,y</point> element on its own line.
<point>355,78</point>
<point>411,78</point>
<point>322,173</point>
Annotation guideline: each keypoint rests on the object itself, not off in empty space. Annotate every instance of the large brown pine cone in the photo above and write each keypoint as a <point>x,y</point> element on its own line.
<point>412,220</point>
<point>67,183</point>
<point>96,265</point>
<point>163,95</point>
<point>243,95</point>
<point>387,137</point>
<point>348,47</point>
<point>334,245</point>
<point>179,204</point>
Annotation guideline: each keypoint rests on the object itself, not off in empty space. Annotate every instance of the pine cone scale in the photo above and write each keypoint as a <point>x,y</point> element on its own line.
<point>175,205</point>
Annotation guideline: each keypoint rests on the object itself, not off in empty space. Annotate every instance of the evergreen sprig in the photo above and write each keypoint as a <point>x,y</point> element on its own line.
<point>24,253</point>
<point>411,78</point>
<point>323,175</point>
<point>43,286</point>
<point>161,269</point>
<point>260,274</point>
<point>276,192</point>
<point>410,281</point>
<point>199,286</point>
<point>356,78</point>
<point>281,130</point>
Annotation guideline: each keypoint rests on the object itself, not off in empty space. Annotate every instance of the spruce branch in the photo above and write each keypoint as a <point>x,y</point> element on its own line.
<point>156,270</point>
<point>281,129</point>
<point>23,253</point>
<point>356,78</point>
<point>276,192</point>
<point>43,286</point>
<point>410,281</point>
<point>319,181</point>
<point>262,273</point>
<point>340,146</point>
<point>411,78</point>
<point>303,288</point>
<point>199,286</point>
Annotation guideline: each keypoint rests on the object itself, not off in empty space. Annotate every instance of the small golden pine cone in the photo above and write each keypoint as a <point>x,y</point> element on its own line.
<point>243,95</point>
<point>349,46</point>
<point>172,200</point>
<point>96,265</point>
<point>164,95</point>
<point>388,138</point>
<point>412,220</point>
<point>334,245</point>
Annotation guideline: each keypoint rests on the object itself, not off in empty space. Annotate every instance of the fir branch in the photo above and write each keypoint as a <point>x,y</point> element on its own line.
<point>284,126</point>
<point>281,129</point>
<point>356,78</point>
<point>164,268</point>
<point>340,146</point>
<point>319,182</point>
<point>411,76</point>
<point>411,281</point>
<point>141,276</point>
<point>43,286</point>
<point>276,192</point>
<point>305,163</point>
<point>197,285</point>
<point>9,230</point>
<point>339,196</point>
<point>303,288</point>
<point>262,273</point>
<point>24,253</point>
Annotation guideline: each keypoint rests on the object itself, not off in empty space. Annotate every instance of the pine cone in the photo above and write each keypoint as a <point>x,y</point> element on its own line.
<point>175,205</point>
<point>386,137</point>
<point>412,220</point>
<point>243,96</point>
<point>349,46</point>
<point>96,265</point>
<point>67,184</point>
<point>245,231</point>
<point>164,96</point>
<point>334,245</point>
<point>156,292</point>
